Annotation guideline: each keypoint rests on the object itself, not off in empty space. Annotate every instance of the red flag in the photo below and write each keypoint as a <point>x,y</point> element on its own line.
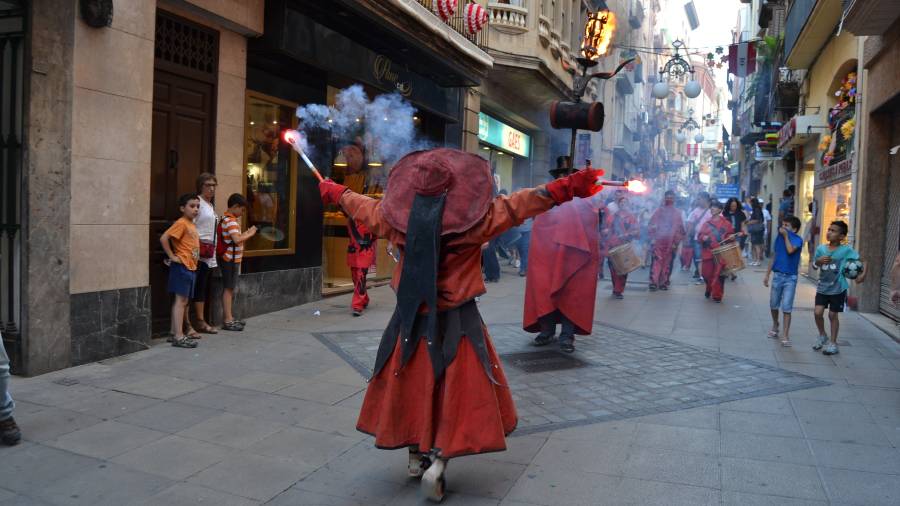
<point>742,59</point>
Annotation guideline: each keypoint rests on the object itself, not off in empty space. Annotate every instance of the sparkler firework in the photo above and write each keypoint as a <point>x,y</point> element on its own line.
<point>295,139</point>
<point>634,185</point>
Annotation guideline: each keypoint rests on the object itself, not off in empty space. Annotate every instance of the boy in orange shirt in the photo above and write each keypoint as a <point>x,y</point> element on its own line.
<point>181,242</point>
<point>234,252</point>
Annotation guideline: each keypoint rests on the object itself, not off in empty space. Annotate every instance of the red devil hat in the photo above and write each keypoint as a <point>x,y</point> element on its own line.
<point>464,177</point>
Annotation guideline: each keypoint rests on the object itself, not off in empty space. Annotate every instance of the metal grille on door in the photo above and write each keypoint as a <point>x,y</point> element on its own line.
<point>186,45</point>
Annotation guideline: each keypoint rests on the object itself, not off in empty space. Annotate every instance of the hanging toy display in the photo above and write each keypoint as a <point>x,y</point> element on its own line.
<point>476,18</point>
<point>445,9</point>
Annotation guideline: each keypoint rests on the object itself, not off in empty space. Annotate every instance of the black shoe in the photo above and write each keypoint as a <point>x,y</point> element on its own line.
<point>542,340</point>
<point>706,294</point>
<point>664,287</point>
<point>618,296</point>
<point>9,432</point>
<point>567,345</point>
<point>232,326</point>
<point>357,312</point>
<point>652,287</point>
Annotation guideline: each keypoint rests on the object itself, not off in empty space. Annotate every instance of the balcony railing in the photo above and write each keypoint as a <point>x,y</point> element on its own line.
<point>544,30</point>
<point>508,18</point>
<point>458,22</point>
<point>796,20</point>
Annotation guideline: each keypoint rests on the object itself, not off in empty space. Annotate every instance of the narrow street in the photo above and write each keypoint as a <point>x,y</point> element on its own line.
<point>676,400</point>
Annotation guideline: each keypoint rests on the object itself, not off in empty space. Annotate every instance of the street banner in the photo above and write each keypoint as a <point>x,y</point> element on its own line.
<point>742,59</point>
<point>691,149</point>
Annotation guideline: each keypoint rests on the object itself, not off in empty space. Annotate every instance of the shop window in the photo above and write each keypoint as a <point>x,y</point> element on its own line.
<point>836,205</point>
<point>270,175</point>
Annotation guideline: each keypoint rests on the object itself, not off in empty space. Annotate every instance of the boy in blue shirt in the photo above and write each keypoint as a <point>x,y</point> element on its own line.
<point>785,264</point>
<point>831,291</point>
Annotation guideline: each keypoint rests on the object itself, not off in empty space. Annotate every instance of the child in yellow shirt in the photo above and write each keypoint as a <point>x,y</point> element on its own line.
<point>181,242</point>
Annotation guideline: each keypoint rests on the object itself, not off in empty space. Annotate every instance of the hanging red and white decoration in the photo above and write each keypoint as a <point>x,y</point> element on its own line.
<point>742,59</point>
<point>692,149</point>
<point>445,8</point>
<point>476,18</point>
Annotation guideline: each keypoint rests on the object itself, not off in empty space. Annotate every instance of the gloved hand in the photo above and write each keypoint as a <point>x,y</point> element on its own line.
<point>331,192</point>
<point>580,184</point>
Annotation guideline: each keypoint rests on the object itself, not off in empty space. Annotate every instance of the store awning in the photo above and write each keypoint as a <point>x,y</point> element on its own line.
<point>799,130</point>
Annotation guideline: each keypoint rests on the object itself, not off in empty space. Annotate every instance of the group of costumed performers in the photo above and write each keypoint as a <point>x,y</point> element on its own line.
<point>563,262</point>
<point>666,231</point>
<point>714,233</point>
<point>438,388</point>
<point>620,226</point>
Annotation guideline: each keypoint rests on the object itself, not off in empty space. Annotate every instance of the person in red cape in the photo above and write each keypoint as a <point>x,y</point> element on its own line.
<point>438,388</point>
<point>360,257</point>
<point>619,227</point>
<point>713,233</point>
<point>666,231</point>
<point>561,281</point>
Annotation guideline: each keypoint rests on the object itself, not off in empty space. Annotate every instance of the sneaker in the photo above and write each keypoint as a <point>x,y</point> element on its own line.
<point>618,296</point>
<point>653,287</point>
<point>567,344</point>
<point>699,282</point>
<point>830,349</point>
<point>232,326</point>
<point>542,340</point>
<point>664,287</point>
<point>184,342</point>
<point>820,342</point>
<point>357,312</point>
<point>9,432</point>
<point>706,294</point>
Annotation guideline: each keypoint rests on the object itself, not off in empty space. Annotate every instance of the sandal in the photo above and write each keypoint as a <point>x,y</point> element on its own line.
<point>206,328</point>
<point>192,334</point>
<point>183,342</point>
<point>233,326</point>
<point>786,343</point>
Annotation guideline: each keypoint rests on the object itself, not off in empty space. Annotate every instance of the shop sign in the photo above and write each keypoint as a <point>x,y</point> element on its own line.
<point>798,130</point>
<point>383,71</point>
<point>727,191</point>
<point>503,136</point>
<point>826,176</point>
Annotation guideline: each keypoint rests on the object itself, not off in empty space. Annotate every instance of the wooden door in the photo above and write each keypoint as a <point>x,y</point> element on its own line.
<point>181,149</point>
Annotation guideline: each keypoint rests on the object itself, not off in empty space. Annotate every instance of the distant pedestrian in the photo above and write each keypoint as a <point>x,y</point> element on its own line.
<point>831,292</point>
<point>360,258</point>
<point>233,241</point>
<point>619,227</point>
<point>182,246</point>
<point>756,227</point>
<point>522,245</point>
<point>785,265</point>
<point>695,221</point>
<point>9,431</point>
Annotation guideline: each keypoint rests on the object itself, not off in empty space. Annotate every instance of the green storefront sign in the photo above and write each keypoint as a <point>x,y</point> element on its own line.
<point>503,136</point>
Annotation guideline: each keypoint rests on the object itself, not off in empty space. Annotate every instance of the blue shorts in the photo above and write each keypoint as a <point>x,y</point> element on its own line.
<point>784,286</point>
<point>181,280</point>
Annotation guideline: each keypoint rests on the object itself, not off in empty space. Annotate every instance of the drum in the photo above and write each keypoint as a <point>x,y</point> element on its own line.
<point>624,258</point>
<point>729,257</point>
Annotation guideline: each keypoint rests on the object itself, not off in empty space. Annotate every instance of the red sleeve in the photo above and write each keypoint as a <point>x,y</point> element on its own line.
<point>507,212</point>
<point>366,211</point>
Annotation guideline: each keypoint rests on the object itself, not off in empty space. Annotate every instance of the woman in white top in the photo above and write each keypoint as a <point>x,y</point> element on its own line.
<point>206,228</point>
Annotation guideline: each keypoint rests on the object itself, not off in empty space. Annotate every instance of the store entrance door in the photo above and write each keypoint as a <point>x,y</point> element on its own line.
<point>892,232</point>
<point>182,138</point>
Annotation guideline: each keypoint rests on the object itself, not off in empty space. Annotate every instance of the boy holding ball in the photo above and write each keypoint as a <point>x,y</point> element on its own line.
<point>831,291</point>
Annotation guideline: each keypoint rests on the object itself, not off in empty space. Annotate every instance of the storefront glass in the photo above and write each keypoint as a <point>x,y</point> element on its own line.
<point>835,205</point>
<point>806,208</point>
<point>508,151</point>
<point>270,179</point>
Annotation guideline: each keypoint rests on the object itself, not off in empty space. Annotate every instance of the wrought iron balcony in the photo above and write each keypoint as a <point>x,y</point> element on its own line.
<point>458,22</point>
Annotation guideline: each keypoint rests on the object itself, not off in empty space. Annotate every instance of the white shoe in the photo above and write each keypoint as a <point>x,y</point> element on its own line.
<point>417,464</point>
<point>433,480</point>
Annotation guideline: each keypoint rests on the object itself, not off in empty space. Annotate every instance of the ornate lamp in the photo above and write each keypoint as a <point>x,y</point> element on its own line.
<point>676,67</point>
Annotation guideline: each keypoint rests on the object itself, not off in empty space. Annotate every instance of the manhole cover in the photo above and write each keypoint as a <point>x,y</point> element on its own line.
<point>542,361</point>
<point>66,382</point>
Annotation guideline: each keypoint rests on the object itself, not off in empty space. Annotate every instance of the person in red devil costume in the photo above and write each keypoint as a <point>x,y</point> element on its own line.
<point>563,260</point>
<point>716,231</point>
<point>618,228</point>
<point>360,257</point>
<point>666,231</point>
<point>438,388</point>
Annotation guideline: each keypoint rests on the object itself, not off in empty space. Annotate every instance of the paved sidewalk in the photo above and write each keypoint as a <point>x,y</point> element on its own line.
<point>267,416</point>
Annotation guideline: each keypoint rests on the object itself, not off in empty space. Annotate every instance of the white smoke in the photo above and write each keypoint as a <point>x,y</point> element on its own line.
<point>387,122</point>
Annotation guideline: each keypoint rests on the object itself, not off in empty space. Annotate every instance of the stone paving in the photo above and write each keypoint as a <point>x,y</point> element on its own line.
<point>619,374</point>
<point>267,416</point>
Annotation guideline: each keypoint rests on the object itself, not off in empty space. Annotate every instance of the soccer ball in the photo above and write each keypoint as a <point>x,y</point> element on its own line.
<point>853,268</point>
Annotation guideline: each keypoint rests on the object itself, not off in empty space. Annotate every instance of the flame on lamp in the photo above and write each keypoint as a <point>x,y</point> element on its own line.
<point>636,186</point>
<point>598,33</point>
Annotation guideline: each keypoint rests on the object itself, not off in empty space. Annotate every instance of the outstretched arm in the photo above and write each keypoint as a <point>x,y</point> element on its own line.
<point>365,210</point>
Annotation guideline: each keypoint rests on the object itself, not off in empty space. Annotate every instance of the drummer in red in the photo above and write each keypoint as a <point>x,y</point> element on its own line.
<point>716,231</point>
<point>619,227</point>
<point>360,257</point>
<point>666,231</point>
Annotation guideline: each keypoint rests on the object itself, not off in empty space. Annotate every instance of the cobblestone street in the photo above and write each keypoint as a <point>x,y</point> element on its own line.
<point>673,400</point>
